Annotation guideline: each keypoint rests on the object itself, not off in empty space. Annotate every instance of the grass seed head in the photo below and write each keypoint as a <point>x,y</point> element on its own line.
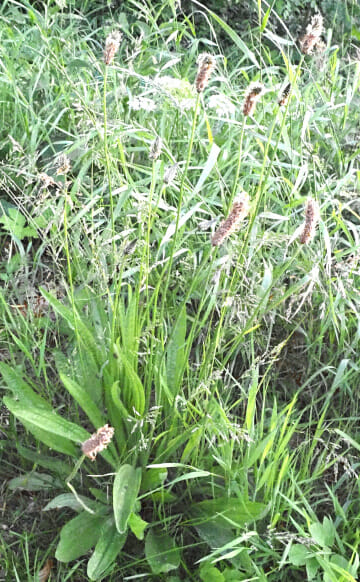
<point>97,442</point>
<point>252,95</point>
<point>170,174</point>
<point>63,165</point>
<point>312,36</point>
<point>284,95</point>
<point>206,64</point>
<point>312,215</point>
<point>238,212</point>
<point>112,44</point>
<point>156,148</point>
<point>46,180</point>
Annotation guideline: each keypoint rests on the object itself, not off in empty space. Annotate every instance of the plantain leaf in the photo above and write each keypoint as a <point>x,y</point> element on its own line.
<point>176,354</point>
<point>69,500</point>
<point>126,488</point>
<point>228,511</point>
<point>132,390</point>
<point>60,444</point>
<point>21,389</point>
<point>78,535</point>
<point>93,352</point>
<point>109,545</point>
<point>58,467</point>
<point>47,420</point>
<point>84,401</point>
<point>161,552</point>
<point>34,482</point>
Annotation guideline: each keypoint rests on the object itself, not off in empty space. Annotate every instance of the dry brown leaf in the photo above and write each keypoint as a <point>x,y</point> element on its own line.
<point>44,573</point>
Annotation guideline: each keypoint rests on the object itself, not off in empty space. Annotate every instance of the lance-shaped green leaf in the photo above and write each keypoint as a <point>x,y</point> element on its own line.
<point>79,535</point>
<point>21,389</point>
<point>47,420</point>
<point>126,488</point>
<point>176,354</point>
<point>109,545</point>
<point>84,400</point>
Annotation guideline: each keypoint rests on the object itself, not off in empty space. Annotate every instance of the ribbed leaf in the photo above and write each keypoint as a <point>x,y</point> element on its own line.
<point>47,420</point>
<point>126,488</point>
<point>60,444</point>
<point>56,465</point>
<point>34,482</point>
<point>84,401</point>
<point>133,394</point>
<point>107,548</point>
<point>21,389</point>
<point>176,354</point>
<point>78,535</point>
<point>69,500</point>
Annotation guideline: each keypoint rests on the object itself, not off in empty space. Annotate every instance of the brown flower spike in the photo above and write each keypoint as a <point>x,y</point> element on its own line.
<point>312,215</point>
<point>156,148</point>
<point>312,36</point>
<point>238,212</point>
<point>97,442</point>
<point>112,44</point>
<point>252,95</point>
<point>284,95</point>
<point>206,64</point>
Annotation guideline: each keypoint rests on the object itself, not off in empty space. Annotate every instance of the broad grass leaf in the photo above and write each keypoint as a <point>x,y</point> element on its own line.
<point>47,420</point>
<point>192,445</point>
<point>251,405</point>
<point>176,354</point>
<point>60,444</point>
<point>109,545</point>
<point>167,450</point>
<point>342,568</point>
<point>125,491</point>
<point>161,552</point>
<point>210,163</point>
<point>79,535</point>
<point>229,512</point>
